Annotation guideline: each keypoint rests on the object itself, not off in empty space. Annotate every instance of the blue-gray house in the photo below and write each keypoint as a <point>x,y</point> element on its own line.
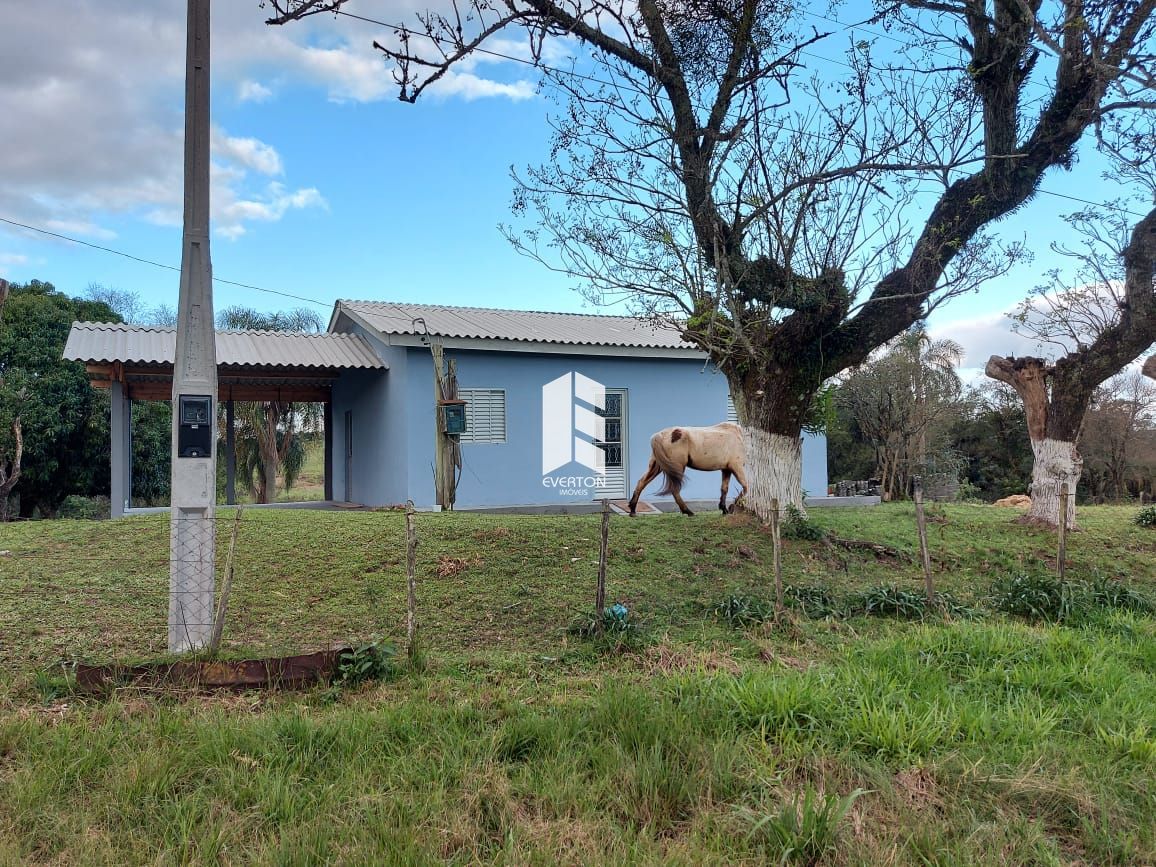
<point>520,374</point>
<point>559,407</point>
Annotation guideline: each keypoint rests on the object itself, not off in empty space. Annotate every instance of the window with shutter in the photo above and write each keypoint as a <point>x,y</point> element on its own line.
<point>485,415</point>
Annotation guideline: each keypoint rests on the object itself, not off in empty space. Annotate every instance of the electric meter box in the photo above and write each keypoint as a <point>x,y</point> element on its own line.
<point>454,416</point>
<point>195,432</point>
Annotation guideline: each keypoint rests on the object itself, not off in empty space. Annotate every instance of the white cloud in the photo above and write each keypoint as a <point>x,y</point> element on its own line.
<point>247,152</point>
<point>253,91</point>
<point>470,87</point>
<point>10,259</point>
<point>93,128</point>
<point>271,205</point>
<point>85,228</point>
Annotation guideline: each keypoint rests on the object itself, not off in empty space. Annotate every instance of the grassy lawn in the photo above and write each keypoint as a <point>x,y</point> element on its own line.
<point>848,739</point>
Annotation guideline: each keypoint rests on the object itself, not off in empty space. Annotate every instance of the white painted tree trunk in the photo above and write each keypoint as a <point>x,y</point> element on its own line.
<point>774,467</point>
<point>1056,462</point>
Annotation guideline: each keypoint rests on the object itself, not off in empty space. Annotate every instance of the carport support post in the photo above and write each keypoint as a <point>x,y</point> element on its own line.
<point>192,538</point>
<point>120,451</point>
<point>329,448</point>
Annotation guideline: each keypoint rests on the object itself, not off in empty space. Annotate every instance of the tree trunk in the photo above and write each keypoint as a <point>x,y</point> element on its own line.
<point>772,402</point>
<point>774,471</point>
<point>1056,462</point>
<point>10,469</point>
<point>1054,418</point>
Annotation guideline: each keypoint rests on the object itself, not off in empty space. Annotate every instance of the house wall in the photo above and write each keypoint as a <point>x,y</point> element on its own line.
<point>377,401</point>
<point>660,393</point>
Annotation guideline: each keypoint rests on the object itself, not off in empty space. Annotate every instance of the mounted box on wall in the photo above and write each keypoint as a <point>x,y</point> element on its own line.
<point>195,432</point>
<point>453,416</point>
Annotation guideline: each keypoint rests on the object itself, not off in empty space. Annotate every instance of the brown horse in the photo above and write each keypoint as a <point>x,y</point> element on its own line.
<point>672,450</point>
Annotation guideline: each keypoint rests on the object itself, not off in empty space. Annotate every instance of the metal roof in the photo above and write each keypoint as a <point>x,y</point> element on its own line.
<point>110,342</point>
<point>578,329</point>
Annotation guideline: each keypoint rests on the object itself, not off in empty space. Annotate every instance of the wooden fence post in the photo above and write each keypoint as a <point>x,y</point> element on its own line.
<point>924,555</point>
<point>1062,554</point>
<point>776,543</point>
<point>226,587</point>
<point>411,582</point>
<point>603,548</point>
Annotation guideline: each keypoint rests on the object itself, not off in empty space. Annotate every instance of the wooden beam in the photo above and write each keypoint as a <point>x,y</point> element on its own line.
<point>154,390</point>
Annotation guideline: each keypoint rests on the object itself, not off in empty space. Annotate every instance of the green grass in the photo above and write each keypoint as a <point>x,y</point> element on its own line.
<point>988,740</point>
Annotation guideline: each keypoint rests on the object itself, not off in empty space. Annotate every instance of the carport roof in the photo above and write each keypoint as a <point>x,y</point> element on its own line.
<point>482,323</point>
<point>109,342</point>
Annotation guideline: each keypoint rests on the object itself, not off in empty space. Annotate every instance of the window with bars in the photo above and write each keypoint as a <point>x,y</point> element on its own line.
<point>485,415</point>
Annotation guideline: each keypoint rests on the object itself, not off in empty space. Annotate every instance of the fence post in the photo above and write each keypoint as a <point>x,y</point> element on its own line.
<point>921,525</point>
<point>776,544</point>
<point>226,587</point>
<point>603,548</point>
<point>1062,555</point>
<point>410,580</point>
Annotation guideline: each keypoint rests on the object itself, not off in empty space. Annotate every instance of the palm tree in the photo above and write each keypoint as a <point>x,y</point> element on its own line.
<point>267,437</point>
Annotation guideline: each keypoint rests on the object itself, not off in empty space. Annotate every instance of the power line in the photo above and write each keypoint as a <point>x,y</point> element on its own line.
<point>122,253</point>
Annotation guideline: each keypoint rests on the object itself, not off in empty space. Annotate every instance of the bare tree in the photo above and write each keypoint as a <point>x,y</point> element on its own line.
<point>1101,324</point>
<point>1118,421</point>
<point>702,173</point>
<point>900,399</point>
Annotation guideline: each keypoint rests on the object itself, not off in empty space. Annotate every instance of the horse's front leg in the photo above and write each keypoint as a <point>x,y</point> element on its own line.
<point>726,484</point>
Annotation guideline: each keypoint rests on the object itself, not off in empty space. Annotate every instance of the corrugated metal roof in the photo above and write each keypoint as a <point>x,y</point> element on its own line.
<point>579,329</point>
<point>108,342</point>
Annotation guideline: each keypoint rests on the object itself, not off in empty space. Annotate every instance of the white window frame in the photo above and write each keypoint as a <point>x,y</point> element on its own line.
<point>495,397</point>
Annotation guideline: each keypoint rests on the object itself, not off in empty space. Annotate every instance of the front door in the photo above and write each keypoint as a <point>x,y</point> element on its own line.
<point>614,445</point>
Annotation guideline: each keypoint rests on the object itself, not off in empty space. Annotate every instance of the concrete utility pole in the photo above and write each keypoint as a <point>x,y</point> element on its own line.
<point>194,476</point>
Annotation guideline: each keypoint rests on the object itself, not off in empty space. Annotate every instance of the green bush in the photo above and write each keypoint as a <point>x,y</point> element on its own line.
<point>741,611</point>
<point>1146,517</point>
<point>796,526</point>
<point>371,661</point>
<point>1043,597</point>
<point>84,508</point>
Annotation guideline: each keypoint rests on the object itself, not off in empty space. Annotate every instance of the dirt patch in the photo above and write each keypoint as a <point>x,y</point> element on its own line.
<point>917,787</point>
<point>666,658</point>
<point>448,567</point>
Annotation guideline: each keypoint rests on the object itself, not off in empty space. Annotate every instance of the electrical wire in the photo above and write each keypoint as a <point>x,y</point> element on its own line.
<point>141,259</point>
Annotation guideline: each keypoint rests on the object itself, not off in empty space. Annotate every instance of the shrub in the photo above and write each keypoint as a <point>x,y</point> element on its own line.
<point>888,600</point>
<point>1146,517</point>
<point>814,601</point>
<point>804,830</point>
<point>371,661</point>
<point>84,508</point>
<point>1042,597</point>
<point>795,525</point>
<point>616,626</point>
<point>740,610</point>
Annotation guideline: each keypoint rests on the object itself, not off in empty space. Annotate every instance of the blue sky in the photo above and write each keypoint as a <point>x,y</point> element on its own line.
<point>325,186</point>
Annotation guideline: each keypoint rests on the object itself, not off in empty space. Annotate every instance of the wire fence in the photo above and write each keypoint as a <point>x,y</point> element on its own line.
<point>318,580</point>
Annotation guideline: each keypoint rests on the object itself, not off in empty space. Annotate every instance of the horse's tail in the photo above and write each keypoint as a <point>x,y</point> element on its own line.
<point>672,473</point>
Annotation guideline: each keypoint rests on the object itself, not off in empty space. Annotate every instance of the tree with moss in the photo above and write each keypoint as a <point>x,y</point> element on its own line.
<point>704,170</point>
